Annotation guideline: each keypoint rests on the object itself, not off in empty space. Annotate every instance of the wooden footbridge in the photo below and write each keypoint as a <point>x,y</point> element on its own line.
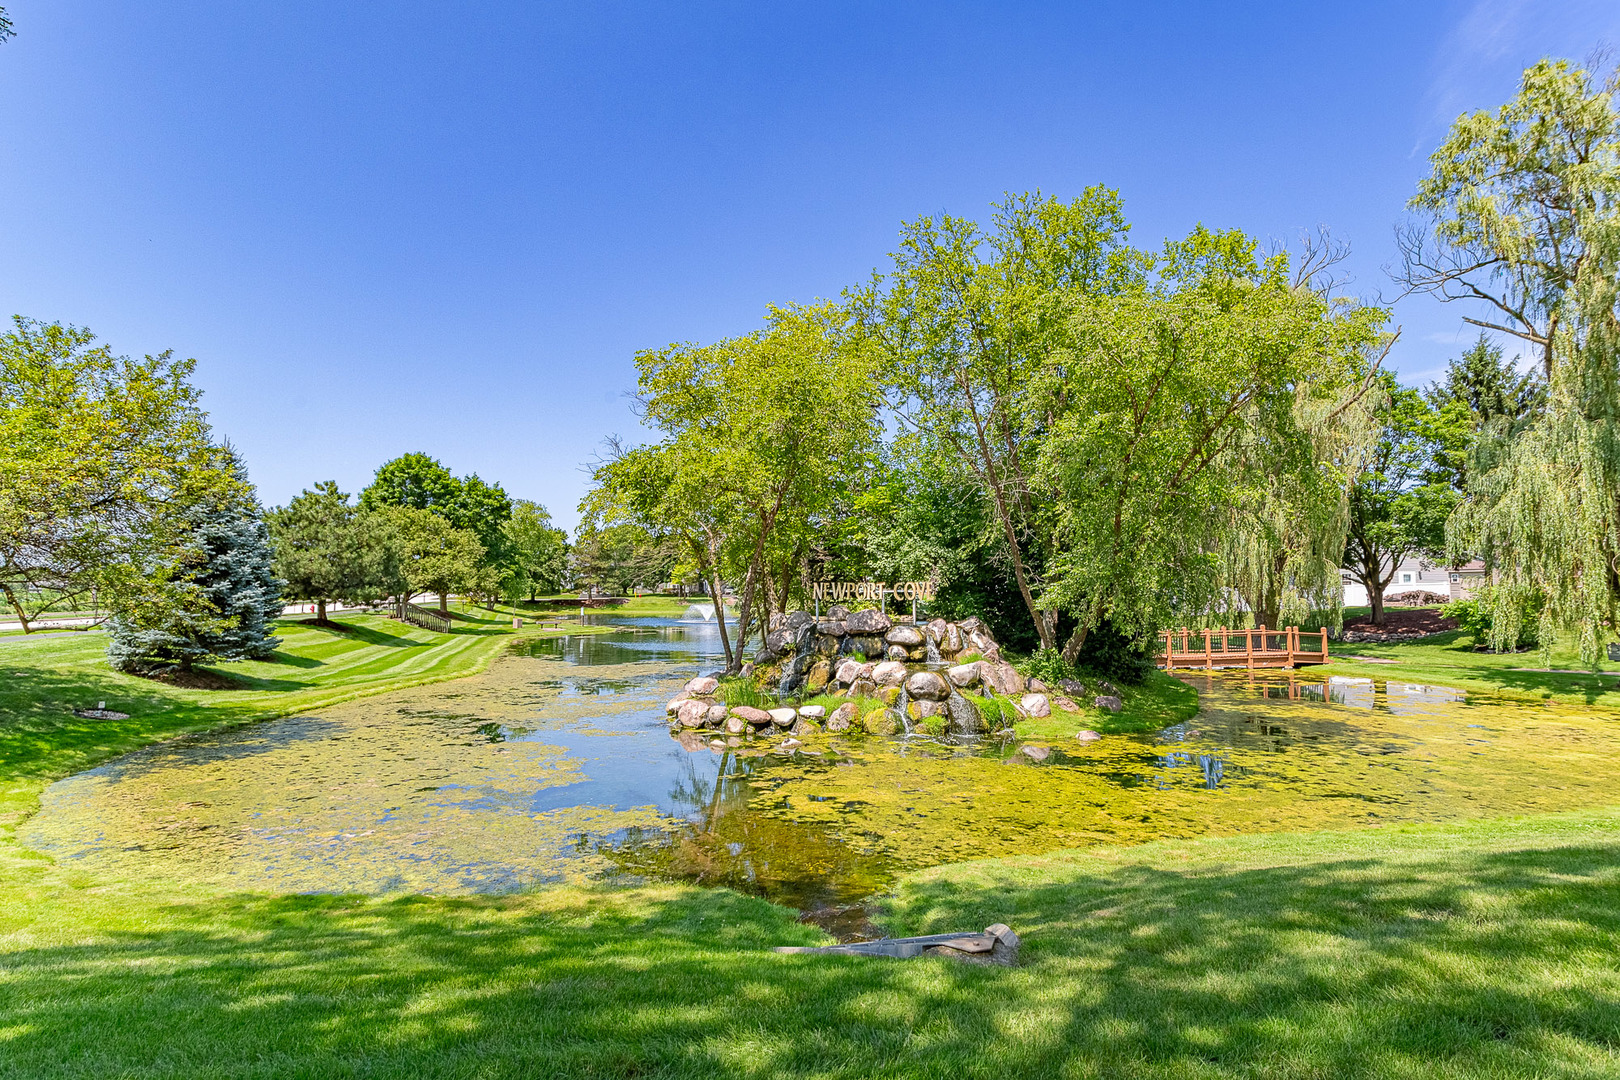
<point>1257,648</point>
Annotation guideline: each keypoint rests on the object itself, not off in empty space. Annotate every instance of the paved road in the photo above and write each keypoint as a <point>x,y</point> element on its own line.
<point>35,637</point>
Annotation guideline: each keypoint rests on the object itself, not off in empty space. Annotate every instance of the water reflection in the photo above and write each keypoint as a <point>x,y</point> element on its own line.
<point>557,764</point>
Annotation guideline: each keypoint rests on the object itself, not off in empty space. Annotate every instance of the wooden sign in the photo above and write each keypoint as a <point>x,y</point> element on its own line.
<point>837,591</point>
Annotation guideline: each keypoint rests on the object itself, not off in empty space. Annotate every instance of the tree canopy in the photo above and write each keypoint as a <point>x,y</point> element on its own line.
<point>97,454</point>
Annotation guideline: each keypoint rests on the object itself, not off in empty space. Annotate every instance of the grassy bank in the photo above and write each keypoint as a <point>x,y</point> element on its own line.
<point>1485,949</point>
<point>43,681</point>
<point>1160,701</point>
<point>1449,659</point>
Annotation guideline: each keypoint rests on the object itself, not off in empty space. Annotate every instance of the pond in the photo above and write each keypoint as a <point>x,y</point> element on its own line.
<point>557,765</point>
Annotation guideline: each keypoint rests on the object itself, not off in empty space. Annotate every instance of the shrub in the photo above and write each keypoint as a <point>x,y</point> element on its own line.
<point>1476,618</point>
<point>1115,656</point>
<point>995,713</point>
<point>931,725</point>
<point>1048,666</point>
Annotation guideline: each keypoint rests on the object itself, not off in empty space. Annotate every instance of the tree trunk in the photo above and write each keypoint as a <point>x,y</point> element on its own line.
<point>444,603</point>
<point>1375,597</point>
<point>16,605</point>
<point>320,610</point>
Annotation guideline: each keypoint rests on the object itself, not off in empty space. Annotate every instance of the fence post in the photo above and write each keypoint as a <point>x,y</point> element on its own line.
<point>1169,650</point>
<point>1248,649</point>
<point>1209,660</point>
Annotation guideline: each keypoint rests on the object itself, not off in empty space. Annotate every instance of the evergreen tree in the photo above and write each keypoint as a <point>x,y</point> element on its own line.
<point>1483,396</point>
<point>327,549</point>
<point>226,573</point>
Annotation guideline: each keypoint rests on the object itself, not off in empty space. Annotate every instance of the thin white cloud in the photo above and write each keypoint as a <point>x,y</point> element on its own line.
<point>1477,63</point>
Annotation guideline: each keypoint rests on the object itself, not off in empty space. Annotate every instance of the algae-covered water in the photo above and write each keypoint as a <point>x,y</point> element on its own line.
<point>557,764</point>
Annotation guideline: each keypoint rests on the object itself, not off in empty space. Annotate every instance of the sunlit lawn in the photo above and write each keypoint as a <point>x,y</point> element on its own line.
<point>1450,659</point>
<point>1476,950</point>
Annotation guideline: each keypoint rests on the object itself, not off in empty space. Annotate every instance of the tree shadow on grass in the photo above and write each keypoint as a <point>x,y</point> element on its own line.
<point>1498,964</point>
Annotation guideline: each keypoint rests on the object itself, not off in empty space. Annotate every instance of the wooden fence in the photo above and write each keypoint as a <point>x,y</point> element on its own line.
<point>416,616</point>
<point>1257,648</point>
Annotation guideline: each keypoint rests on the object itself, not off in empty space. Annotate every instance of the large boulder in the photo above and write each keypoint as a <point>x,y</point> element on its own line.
<point>936,629</point>
<point>736,725</point>
<point>779,642</point>
<point>971,624</point>
<point>814,712</point>
<point>950,642</point>
<point>882,722</point>
<point>922,710</point>
<point>1073,687</point>
<point>692,714</point>
<point>964,717</point>
<point>797,619</point>
<point>751,715</point>
<point>928,686</point>
<point>870,621</point>
<point>889,695</point>
<point>1106,687</point>
<point>850,670</point>
<point>862,687</point>
<point>716,716</point>
<point>838,611</point>
<point>1001,677</point>
<point>817,678</point>
<point>806,726</point>
<point>1086,735</point>
<point>832,628</point>
<point>898,653</point>
<point>702,686</point>
<point>963,675</point>
<point>1036,705</point>
<point>784,717</point>
<point>980,643</point>
<point>675,704</point>
<point>909,636</point>
<point>889,673</point>
<point>868,645</point>
<point>1107,702</point>
<point>842,717</point>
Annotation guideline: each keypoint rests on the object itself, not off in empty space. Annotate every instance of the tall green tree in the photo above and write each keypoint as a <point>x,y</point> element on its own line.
<point>419,482</point>
<point>1400,500</point>
<point>758,432</point>
<point>1482,397</point>
<point>536,552</point>
<point>97,454</point>
<point>1520,217</point>
<point>965,318</point>
<point>226,572</point>
<point>329,549</point>
<point>433,555</point>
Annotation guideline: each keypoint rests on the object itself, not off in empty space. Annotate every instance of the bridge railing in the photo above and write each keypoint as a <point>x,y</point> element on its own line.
<point>418,616</point>
<point>1220,647</point>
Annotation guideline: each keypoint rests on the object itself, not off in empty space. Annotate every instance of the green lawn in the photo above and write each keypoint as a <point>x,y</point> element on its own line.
<point>1450,659</point>
<point>1480,949</point>
<point>1476,950</point>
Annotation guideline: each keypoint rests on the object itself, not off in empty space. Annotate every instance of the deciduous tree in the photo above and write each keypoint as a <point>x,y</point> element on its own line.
<point>97,454</point>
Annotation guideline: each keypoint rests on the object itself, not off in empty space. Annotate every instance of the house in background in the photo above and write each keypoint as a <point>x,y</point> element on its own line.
<point>1415,575</point>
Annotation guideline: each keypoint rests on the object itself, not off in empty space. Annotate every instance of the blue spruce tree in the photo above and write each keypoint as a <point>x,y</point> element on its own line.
<point>234,594</point>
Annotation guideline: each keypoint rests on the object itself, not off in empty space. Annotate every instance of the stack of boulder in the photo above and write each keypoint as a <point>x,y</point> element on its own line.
<point>896,673</point>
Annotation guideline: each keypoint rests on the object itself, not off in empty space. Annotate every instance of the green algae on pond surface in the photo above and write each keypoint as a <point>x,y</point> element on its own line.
<point>558,764</point>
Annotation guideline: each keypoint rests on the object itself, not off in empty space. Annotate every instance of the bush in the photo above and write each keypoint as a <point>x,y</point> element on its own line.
<point>1115,656</point>
<point>1475,617</point>
<point>995,713</point>
<point>1048,666</point>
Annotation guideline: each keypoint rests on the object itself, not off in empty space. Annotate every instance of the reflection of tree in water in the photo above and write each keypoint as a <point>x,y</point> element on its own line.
<point>731,836</point>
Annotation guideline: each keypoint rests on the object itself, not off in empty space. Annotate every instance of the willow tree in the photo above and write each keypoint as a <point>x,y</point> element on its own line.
<point>1521,217</point>
<point>1161,410</point>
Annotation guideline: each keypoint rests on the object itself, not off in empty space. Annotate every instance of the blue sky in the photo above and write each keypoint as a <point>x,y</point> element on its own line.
<point>390,227</point>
